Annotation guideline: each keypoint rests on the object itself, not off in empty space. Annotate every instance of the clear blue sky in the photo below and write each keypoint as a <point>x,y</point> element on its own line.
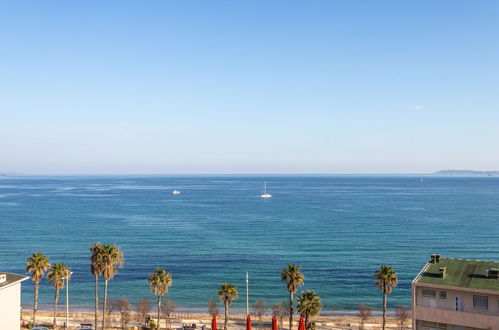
<point>248,86</point>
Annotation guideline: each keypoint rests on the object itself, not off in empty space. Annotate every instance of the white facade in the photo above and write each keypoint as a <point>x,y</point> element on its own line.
<point>10,302</point>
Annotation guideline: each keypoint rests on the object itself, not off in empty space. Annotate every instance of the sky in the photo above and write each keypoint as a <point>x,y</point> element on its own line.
<point>180,87</point>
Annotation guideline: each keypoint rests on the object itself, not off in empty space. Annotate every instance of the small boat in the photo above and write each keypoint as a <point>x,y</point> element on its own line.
<point>176,192</point>
<point>265,193</point>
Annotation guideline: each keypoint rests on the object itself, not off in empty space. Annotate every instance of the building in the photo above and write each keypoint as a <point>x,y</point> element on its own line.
<point>456,294</point>
<point>10,300</point>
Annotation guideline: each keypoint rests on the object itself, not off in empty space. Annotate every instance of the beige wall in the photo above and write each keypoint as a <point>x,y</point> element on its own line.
<point>10,307</point>
<point>449,303</point>
<point>464,319</point>
<point>440,303</point>
<point>422,325</point>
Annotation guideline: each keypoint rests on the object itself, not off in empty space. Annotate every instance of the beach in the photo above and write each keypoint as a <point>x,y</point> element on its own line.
<point>237,322</point>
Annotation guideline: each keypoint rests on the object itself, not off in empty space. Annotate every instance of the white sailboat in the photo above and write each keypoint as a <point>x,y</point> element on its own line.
<point>265,193</point>
<point>176,192</point>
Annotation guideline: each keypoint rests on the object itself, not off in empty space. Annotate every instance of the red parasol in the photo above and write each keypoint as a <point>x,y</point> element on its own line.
<point>301,326</point>
<point>214,322</point>
<point>248,323</point>
<point>274,323</point>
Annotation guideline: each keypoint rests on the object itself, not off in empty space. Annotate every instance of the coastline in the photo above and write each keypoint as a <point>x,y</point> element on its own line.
<point>236,321</point>
<point>203,311</point>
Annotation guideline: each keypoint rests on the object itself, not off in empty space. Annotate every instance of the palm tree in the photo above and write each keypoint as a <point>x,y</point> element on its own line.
<point>37,265</point>
<point>159,282</point>
<point>96,267</point>
<point>309,305</point>
<point>227,293</point>
<point>386,279</point>
<point>112,257</point>
<point>57,274</point>
<point>294,278</point>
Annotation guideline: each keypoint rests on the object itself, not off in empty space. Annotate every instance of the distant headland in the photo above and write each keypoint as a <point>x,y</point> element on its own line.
<point>7,173</point>
<point>466,172</point>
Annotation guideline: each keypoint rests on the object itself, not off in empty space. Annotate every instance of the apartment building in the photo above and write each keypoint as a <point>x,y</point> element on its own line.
<point>456,294</point>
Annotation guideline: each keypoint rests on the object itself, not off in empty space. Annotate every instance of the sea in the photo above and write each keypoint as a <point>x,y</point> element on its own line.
<point>338,228</point>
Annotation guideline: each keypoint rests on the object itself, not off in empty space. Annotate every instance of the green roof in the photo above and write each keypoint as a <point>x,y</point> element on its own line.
<point>461,273</point>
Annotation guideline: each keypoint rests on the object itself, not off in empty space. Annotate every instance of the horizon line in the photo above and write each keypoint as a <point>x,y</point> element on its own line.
<point>234,174</point>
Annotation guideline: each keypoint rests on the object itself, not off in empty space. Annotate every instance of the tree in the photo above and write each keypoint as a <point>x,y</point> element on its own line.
<point>294,278</point>
<point>402,313</point>
<point>37,265</point>
<point>111,259</point>
<point>227,293</point>
<point>96,268</point>
<point>124,309</point>
<point>212,307</point>
<point>259,309</point>
<point>113,305</point>
<point>365,312</point>
<point>386,279</point>
<point>309,305</point>
<point>168,308</point>
<point>57,275</point>
<point>280,310</point>
<point>143,308</point>
<point>159,282</point>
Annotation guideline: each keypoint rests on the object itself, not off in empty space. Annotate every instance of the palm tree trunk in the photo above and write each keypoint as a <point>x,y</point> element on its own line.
<point>384,309</point>
<point>226,320</point>
<point>56,299</point>
<point>159,310</point>
<point>35,302</point>
<point>104,306</point>
<point>290,310</point>
<point>96,300</point>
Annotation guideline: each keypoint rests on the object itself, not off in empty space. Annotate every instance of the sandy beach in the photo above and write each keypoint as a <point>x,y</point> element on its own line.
<point>235,321</point>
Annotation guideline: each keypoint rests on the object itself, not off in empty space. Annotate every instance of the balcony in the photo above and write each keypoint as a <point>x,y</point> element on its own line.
<point>466,319</point>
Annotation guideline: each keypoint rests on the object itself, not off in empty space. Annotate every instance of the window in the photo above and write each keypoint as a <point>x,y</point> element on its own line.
<point>429,293</point>
<point>459,303</point>
<point>430,325</point>
<point>481,302</point>
<point>443,294</point>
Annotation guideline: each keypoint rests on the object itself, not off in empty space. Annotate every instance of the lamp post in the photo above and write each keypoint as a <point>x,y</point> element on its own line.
<point>247,299</point>
<point>67,298</point>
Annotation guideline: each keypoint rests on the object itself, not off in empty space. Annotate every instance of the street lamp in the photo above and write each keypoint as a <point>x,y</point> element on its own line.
<point>247,299</point>
<point>67,277</point>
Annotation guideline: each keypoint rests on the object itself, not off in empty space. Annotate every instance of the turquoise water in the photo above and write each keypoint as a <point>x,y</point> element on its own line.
<point>339,228</point>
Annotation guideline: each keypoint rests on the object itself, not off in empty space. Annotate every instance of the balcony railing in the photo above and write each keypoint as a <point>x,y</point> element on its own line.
<point>466,319</point>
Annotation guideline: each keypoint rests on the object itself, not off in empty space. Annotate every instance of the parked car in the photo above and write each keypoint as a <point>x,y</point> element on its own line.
<point>85,326</point>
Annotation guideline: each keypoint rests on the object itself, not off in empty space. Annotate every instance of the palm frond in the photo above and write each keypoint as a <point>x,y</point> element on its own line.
<point>37,265</point>
<point>386,278</point>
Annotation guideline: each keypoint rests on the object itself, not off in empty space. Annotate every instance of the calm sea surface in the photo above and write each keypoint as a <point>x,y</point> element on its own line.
<point>339,228</point>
